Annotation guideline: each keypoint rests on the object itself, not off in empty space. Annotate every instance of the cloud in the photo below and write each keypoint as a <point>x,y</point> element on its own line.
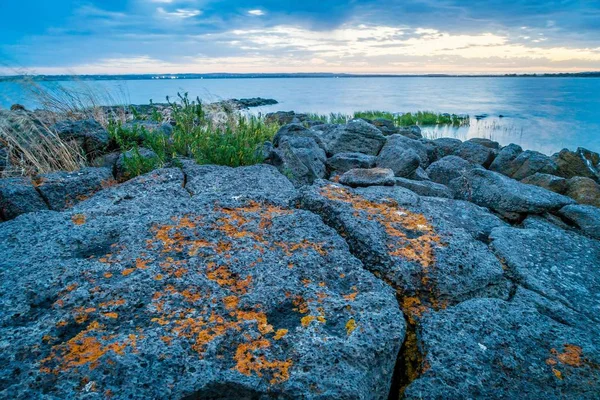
<point>257,13</point>
<point>178,13</point>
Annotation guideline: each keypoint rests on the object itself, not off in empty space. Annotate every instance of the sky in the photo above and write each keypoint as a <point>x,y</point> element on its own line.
<point>266,36</point>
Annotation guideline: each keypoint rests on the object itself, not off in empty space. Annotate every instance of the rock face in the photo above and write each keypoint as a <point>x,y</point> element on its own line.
<point>448,168</point>
<point>302,160</point>
<point>62,190</point>
<point>550,182</point>
<point>368,177</point>
<point>505,195</point>
<point>427,250</point>
<point>507,351</point>
<point>89,134</point>
<point>197,293</point>
<point>579,163</point>
<point>343,162</point>
<point>403,161</point>
<point>476,153</point>
<point>18,196</point>
<point>446,146</point>
<point>518,164</point>
<point>356,136</point>
<point>586,218</point>
<point>425,188</point>
<point>584,190</point>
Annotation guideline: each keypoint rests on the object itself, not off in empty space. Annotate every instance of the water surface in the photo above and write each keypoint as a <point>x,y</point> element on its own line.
<point>544,114</point>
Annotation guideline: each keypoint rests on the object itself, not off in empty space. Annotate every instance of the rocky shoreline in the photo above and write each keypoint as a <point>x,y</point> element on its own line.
<point>360,261</point>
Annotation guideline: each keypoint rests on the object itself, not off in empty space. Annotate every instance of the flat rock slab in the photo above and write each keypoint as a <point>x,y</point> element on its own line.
<point>586,218</point>
<point>360,177</point>
<point>492,349</point>
<point>562,266</point>
<point>428,251</point>
<point>147,291</point>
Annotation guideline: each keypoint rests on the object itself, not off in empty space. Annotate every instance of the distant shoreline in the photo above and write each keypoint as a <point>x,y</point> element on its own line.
<point>56,78</point>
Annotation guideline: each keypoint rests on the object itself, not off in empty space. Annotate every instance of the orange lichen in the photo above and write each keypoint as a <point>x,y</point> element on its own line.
<point>280,334</point>
<point>350,326</point>
<point>248,362</point>
<point>78,219</point>
<point>108,275</point>
<point>112,315</point>
<point>231,302</point>
<point>141,264</point>
<point>306,320</point>
<point>127,271</point>
<point>571,356</point>
<point>352,296</point>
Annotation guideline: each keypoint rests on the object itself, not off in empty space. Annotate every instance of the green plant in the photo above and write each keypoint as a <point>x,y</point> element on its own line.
<point>136,164</point>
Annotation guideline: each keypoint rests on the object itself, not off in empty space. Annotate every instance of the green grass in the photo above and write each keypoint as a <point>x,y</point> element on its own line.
<point>332,118</point>
<point>233,140</point>
<point>422,118</point>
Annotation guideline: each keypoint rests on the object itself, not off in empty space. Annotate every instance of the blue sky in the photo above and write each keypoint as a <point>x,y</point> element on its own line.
<point>414,36</point>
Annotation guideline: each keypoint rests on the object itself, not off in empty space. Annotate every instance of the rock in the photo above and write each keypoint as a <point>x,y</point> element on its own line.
<point>490,144</point>
<point>297,130</point>
<point>284,117</point>
<point>584,190</point>
<point>358,177</point>
<point>61,190</point>
<point>89,134</point>
<point>448,168</point>
<point>571,164</point>
<point>107,160</point>
<point>121,172</point>
<point>475,153</point>
<point>559,265</point>
<point>446,146</point>
<point>419,175</point>
<point>503,163</point>
<point>504,195</point>
<point>219,294</point>
<point>586,218</point>
<point>343,162</point>
<point>17,107</point>
<point>550,182</point>
<point>302,160</point>
<point>423,149</point>
<point>18,196</point>
<point>425,188</point>
<point>254,102</point>
<point>518,164</point>
<point>386,126</point>
<point>412,132</point>
<point>4,159</point>
<point>357,136</point>
<point>427,250</point>
<point>403,161</point>
<point>148,127</point>
<point>489,348</point>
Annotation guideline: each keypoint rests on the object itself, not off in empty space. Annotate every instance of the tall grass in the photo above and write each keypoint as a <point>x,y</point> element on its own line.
<point>422,118</point>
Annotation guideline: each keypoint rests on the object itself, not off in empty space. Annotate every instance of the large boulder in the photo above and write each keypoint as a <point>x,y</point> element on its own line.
<point>386,126</point>
<point>368,177</point>
<point>343,162</point>
<point>425,188</point>
<point>296,130</point>
<point>446,146</point>
<point>505,195</point>
<point>403,161</point>
<point>413,131</point>
<point>448,168</point>
<point>89,134</point>
<point>284,117</point>
<point>522,164</point>
<point>476,153</point>
<point>19,196</point>
<point>424,149</point>
<point>493,349</point>
<point>490,144</point>
<point>504,159</point>
<point>62,190</point>
<point>584,190</point>
<point>577,163</point>
<point>586,218</point>
<point>209,292</point>
<point>559,265</point>
<point>358,136</point>
<point>550,182</point>
<point>301,159</point>
<point>429,251</point>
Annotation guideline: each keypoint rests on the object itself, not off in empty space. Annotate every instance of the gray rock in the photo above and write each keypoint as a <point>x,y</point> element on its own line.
<point>89,134</point>
<point>343,162</point>
<point>446,146</point>
<point>386,126</point>
<point>489,348</point>
<point>302,160</point>
<point>519,164</point>
<point>284,117</point>
<point>107,160</point>
<point>584,190</point>
<point>503,162</point>
<point>571,164</point>
<point>490,144</point>
<point>475,153</point>
<point>421,248</point>
<point>550,182</point>
<point>297,130</point>
<point>18,196</point>
<point>423,149</point>
<point>419,175</point>
<point>147,292</point>
<point>413,132</point>
<point>586,218</point>
<point>559,265</point>
<point>4,159</point>
<point>504,195</point>
<point>121,173</point>
<point>448,168</point>
<point>403,161</point>
<point>425,188</point>
<point>62,190</point>
<point>358,177</point>
<point>357,136</point>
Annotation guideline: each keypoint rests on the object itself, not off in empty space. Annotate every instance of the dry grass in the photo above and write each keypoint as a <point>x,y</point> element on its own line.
<point>32,148</point>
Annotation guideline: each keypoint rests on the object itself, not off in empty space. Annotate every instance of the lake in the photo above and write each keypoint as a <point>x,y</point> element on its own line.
<point>544,114</point>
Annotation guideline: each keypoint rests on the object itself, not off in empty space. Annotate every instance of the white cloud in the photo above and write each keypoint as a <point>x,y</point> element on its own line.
<point>178,13</point>
<point>257,13</point>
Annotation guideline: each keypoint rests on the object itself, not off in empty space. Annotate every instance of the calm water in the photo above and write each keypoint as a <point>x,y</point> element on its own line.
<point>544,114</point>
